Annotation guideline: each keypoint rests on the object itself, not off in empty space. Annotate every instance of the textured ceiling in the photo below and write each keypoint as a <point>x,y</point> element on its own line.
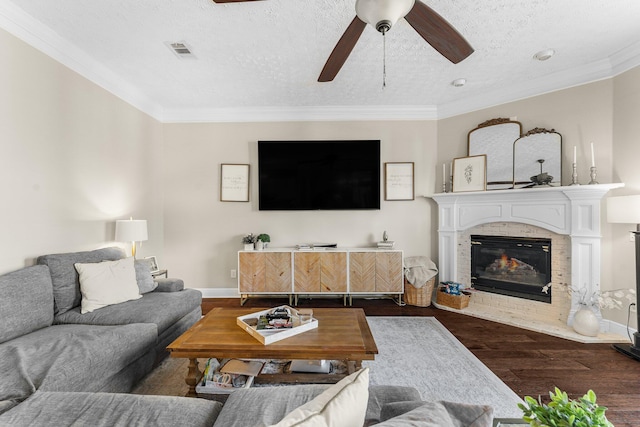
<point>265,56</point>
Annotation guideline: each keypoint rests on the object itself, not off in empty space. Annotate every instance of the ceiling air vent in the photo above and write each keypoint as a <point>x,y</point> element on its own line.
<point>181,49</point>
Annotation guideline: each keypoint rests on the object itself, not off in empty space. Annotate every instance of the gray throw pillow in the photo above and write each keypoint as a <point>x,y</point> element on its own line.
<point>144,278</point>
<point>444,414</point>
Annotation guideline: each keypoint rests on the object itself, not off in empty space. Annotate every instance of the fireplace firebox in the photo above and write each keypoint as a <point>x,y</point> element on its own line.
<point>515,266</point>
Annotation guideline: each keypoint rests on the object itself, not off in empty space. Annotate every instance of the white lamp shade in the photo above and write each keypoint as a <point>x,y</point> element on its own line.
<point>375,11</point>
<point>623,209</point>
<point>131,230</point>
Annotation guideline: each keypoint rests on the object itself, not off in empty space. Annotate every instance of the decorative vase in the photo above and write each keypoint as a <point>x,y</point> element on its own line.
<point>248,246</point>
<point>259,245</point>
<point>585,322</point>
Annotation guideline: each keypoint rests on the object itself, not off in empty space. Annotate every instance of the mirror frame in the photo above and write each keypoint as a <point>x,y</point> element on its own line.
<point>497,147</point>
<point>533,136</point>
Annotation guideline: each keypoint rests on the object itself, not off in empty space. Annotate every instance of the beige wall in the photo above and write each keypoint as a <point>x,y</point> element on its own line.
<point>626,153</point>
<point>202,234</point>
<point>73,158</point>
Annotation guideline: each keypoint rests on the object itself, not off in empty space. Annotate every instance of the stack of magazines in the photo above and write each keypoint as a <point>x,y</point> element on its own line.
<point>229,376</point>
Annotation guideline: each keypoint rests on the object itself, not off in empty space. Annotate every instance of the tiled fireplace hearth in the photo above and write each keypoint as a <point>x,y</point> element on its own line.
<point>568,217</point>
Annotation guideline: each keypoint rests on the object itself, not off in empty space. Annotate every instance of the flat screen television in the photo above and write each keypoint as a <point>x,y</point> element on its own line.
<point>318,175</point>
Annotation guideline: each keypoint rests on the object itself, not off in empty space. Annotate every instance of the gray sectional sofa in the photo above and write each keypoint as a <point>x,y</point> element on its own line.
<point>50,352</point>
<point>60,367</point>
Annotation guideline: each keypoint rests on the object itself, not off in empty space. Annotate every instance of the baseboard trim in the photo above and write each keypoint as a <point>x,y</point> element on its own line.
<point>617,328</point>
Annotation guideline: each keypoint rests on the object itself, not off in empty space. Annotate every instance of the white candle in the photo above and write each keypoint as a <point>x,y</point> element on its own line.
<point>574,154</point>
<point>593,157</point>
<point>444,173</point>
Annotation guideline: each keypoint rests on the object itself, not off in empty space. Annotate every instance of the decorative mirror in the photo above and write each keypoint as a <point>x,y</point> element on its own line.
<point>537,159</point>
<point>495,138</point>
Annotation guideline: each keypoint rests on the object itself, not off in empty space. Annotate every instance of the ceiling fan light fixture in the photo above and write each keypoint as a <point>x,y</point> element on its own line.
<point>383,14</point>
<point>543,55</point>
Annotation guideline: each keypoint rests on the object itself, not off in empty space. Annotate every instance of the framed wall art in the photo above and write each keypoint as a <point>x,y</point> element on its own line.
<point>470,173</point>
<point>234,182</point>
<point>398,181</point>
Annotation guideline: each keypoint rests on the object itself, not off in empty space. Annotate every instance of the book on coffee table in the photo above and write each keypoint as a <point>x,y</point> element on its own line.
<point>253,323</point>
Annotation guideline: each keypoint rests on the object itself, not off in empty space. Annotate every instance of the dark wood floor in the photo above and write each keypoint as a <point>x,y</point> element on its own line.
<point>530,363</point>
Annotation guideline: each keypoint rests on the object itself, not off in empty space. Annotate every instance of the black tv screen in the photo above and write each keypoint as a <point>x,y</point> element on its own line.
<point>313,175</point>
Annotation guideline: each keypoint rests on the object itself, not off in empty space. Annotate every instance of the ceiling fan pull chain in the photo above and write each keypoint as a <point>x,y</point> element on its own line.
<point>384,59</point>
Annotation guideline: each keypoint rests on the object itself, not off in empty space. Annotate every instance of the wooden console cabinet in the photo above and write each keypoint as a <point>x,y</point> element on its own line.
<point>336,271</point>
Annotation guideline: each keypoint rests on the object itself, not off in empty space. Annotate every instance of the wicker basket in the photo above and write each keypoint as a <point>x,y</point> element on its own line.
<point>454,301</point>
<point>420,297</point>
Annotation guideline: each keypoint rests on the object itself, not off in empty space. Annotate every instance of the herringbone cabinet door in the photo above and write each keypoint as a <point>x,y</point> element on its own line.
<point>307,272</point>
<point>389,272</point>
<point>278,271</point>
<point>362,271</point>
<point>252,272</point>
<point>333,277</point>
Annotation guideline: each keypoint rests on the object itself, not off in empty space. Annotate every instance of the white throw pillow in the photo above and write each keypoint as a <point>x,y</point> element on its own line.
<point>342,404</point>
<point>106,283</point>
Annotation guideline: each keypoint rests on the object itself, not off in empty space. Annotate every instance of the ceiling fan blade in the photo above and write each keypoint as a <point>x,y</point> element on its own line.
<point>342,50</point>
<point>438,32</point>
<point>231,1</point>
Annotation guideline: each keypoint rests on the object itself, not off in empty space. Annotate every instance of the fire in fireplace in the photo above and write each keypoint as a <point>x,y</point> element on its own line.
<point>515,266</point>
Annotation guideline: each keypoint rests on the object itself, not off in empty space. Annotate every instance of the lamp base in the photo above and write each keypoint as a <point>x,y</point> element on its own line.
<point>628,350</point>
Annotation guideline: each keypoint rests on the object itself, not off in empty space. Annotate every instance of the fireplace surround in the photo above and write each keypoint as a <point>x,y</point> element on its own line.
<point>568,215</point>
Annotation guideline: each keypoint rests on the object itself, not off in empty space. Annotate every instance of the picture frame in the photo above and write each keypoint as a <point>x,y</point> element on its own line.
<point>152,262</point>
<point>399,181</point>
<point>470,173</point>
<point>234,182</point>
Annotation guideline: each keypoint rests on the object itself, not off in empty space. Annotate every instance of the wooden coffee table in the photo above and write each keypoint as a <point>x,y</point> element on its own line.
<point>342,334</point>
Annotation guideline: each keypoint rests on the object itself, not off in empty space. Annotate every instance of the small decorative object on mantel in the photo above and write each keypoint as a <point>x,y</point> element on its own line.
<point>593,171</point>
<point>248,241</point>
<point>470,173</point>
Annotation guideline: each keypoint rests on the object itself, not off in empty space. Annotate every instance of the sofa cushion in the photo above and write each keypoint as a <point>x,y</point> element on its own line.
<point>144,278</point>
<point>381,395</point>
<point>265,410</point>
<point>106,283</point>
<point>162,308</point>
<point>111,409</point>
<point>69,358</point>
<point>66,287</point>
<point>26,303</point>
<point>344,404</point>
<point>440,414</point>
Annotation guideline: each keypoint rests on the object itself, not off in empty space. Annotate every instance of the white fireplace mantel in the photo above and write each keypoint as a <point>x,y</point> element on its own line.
<point>569,210</point>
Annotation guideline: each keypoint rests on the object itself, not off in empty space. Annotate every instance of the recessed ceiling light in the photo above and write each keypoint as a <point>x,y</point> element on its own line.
<point>459,82</point>
<point>543,55</point>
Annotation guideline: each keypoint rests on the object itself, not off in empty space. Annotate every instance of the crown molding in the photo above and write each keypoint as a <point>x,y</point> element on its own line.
<point>33,32</point>
<point>42,38</point>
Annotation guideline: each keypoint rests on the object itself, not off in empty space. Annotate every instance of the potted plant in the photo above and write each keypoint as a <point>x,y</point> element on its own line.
<point>263,240</point>
<point>248,241</point>
<point>564,412</point>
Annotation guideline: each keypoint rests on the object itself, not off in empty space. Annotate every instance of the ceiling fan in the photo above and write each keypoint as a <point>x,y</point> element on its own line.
<point>382,15</point>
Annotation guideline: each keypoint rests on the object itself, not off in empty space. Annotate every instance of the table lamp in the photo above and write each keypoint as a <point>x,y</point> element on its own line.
<point>626,210</point>
<point>130,230</point>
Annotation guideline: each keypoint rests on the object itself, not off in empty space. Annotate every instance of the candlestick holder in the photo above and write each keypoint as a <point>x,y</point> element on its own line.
<point>444,187</point>
<point>593,173</point>
<point>574,175</point>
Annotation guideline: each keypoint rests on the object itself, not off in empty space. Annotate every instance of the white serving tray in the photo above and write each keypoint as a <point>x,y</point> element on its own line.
<point>269,336</point>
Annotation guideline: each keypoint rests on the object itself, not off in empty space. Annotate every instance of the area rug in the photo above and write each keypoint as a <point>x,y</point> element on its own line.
<point>412,351</point>
<point>420,352</point>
